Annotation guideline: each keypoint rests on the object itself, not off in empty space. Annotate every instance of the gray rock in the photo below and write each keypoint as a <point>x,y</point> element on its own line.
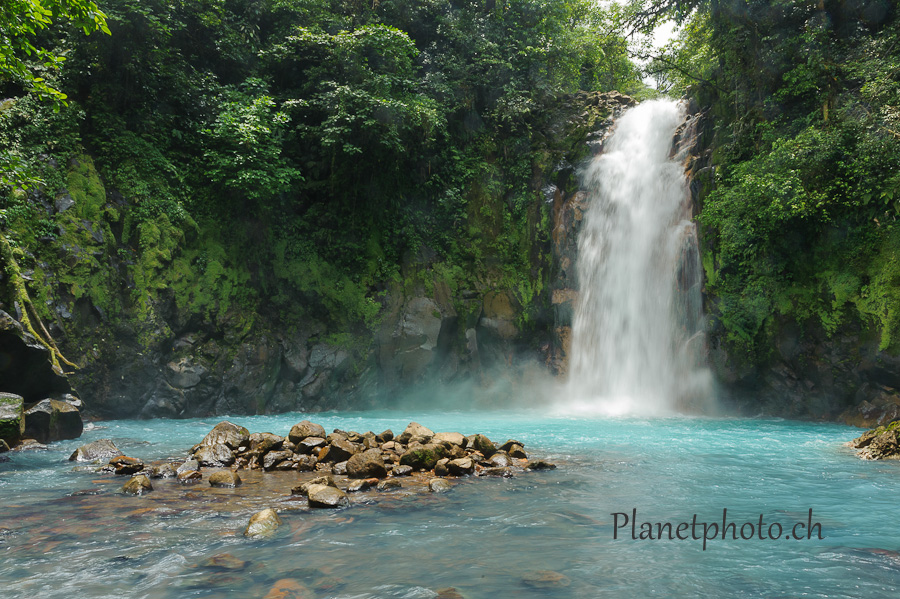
<point>224,478</point>
<point>214,456</point>
<point>305,429</point>
<point>338,451</point>
<point>228,434</point>
<point>389,484</point>
<point>453,438</point>
<point>262,524</point>
<point>361,484</point>
<point>188,466</point>
<point>461,466</point>
<point>439,485</point>
<point>368,464</point>
<point>182,374</point>
<point>273,459</point>
<point>63,202</point>
<point>96,450</point>
<point>166,470</point>
<point>261,443</point>
<point>401,471</point>
<point>324,496</point>
<point>500,460</point>
<point>311,445</point>
<point>51,420</point>
<point>189,477</point>
<point>137,485</point>
<point>12,417</point>
<point>414,430</point>
<point>339,469</point>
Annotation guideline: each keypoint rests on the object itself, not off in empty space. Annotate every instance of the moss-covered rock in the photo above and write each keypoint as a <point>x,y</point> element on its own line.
<point>12,417</point>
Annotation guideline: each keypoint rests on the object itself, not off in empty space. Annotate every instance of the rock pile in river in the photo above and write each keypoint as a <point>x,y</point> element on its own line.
<point>882,443</point>
<point>308,448</point>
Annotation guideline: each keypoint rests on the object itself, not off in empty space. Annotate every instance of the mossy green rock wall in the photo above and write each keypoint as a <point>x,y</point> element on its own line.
<point>12,418</point>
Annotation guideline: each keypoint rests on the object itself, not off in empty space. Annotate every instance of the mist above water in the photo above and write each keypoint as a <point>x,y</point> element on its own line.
<point>637,338</point>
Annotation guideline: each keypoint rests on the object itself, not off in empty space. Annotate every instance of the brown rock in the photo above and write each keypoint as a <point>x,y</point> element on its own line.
<point>368,464</point>
<point>545,579</point>
<point>324,496</point>
<point>138,485</point>
<point>305,429</point>
<point>224,478</point>
<point>262,523</point>
<point>228,434</point>
<point>288,588</point>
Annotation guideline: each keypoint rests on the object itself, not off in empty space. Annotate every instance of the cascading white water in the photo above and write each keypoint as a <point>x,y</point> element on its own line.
<point>637,337</point>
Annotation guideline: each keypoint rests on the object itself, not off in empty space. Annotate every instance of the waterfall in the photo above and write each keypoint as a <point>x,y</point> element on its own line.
<point>637,338</point>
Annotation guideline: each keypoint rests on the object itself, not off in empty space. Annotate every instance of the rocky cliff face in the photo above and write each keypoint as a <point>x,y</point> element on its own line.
<point>805,372</point>
<point>156,354</point>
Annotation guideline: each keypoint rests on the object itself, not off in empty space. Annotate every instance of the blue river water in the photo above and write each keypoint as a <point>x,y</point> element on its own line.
<point>68,533</point>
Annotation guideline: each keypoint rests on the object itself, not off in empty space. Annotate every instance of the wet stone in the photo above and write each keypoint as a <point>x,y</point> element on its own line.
<point>311,445</point>
<point>503,472</point>
<point>224,561</point>
<point>214,456</point>
<point>262,523</point>
<point>224,478</point>
<point>401,471</point>
<point>324,496</point>
<point>439,485</point>
<point>189,477</point>
<point>96,450</point>
<point>368,464</point>
<point>540,465</point>
<point>227,433</point>
<point>305,429</point>
<point>166,470</point>
<point>138,485</point>
<point>545,579</point>
<point>361,484</point>
<point>188,466</point>
<point>124,465</point>
<point>390,484</point>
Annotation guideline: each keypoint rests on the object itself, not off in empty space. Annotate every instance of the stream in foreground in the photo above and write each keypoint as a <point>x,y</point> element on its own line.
<point>484,537</point>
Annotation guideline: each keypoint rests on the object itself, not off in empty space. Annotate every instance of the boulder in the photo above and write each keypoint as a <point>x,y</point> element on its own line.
<point>214,456</point>
<point>306,463</point>
<point>311,445</point>
<point>361,484</point>
<point>423,457</point>
<point>517,451</point>
<point>188,466</point>
<point>224,478</point>
<point>51,420</point>
<point>325,496</point>
<point>368,464</point>
<point>401,471</point>
<point>137,485</point>
<point>224,561</point>
<point>305,429</point>
<point>261,443</point>
<point>389,484</point>
<point>386,436</point>
<point>262,523</point>
<point>440,469</point>
<point>482,444</point>
<point>500,460</point>
<point>189,477</point>
<point>339,469</point>
<point>509,443</point>
<point>288,588</point>
<point>228,434</point>
<point>339,451</point>
<point>125,465</point>
<point>167,470</point>
<point>461,466</point>
<point>273,459</point>
<point>452,438</point>
<point>414,430</point>
<point>439,485</point>
<point>12,417</point>
<point>303,489</point>
<point>95,450</point>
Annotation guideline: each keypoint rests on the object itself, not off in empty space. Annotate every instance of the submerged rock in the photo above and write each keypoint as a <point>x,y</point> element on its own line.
<point>138,485</point>
<point>545,579</point>
<point>287,588</point>
<point>224,478</point>
<point>540,465</point>
<point>96,450</point>
<point>224,561</point>
<point>439,485</point>
<point>189,477</point>
<point>262,523</point>
<point>390,484</point>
